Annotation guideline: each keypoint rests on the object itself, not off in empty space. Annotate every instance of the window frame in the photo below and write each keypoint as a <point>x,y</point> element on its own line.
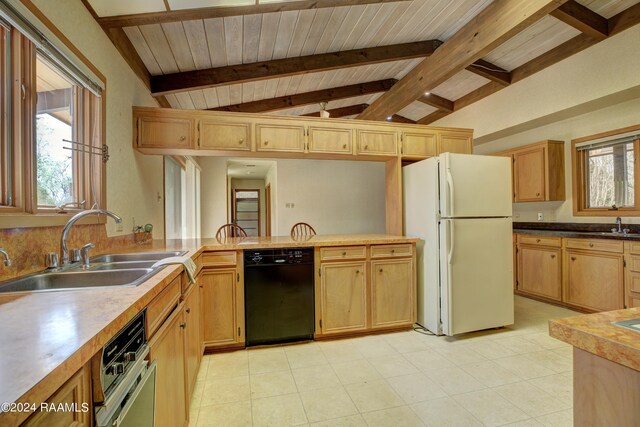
<point>24,211</point>
<point>581,182</point>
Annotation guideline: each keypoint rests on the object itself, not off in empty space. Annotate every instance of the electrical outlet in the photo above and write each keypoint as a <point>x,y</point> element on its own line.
<point>540,216</point>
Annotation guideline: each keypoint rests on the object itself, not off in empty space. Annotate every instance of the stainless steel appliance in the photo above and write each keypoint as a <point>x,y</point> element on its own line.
<point>126,393</point>
<point>278,293</point>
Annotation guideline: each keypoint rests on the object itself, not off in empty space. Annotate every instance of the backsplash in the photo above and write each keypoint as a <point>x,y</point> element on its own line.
<point>27,246</point>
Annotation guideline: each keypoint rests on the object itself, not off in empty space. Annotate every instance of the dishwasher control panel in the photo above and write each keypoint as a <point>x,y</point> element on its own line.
<point>278,256</point>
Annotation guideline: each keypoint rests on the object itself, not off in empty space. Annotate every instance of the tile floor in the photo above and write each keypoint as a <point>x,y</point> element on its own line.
<point>516,376</point>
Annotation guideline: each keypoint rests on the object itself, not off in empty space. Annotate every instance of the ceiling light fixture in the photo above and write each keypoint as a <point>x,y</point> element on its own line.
<point>323,110</point>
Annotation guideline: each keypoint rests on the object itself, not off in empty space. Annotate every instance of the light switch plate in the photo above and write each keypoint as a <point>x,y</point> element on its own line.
<point>540,216</point>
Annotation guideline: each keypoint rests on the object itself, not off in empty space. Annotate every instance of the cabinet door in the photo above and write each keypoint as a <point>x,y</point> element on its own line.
<point>193,343</point>
<point>419,144</point>
<point>330,140</point>
<point>289,138</point>
<point>392,293</point>
<point>219,135</point>
<point>594,280</point>
<point>528,175</point>
<point>343,297</point>
<point>165,132</point>
<point>167,349</point>
<point>377,142</point>
<point>540,272</point>
<point>76,391</point>
<point>455,143</point>
<point>222,308</point>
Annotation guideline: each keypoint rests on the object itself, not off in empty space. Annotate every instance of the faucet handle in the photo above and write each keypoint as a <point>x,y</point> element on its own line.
<point>74,255</point>
<point>51,260</point>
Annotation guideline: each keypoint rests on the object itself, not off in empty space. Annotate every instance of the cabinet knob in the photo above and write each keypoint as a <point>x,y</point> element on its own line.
<point>266,143</point>
<point>241,141</point>
<point>366,147</point>
<point>380,271</point>
<point>344,145</point>
<point>553,256</point>
<point>537,194</point>
<point>344,254</point>
<point>182,138</point>
<point>537,240</point>
<point>188,310</point>
<point>202,286</point>
<point>183,325</point>
<point>357,271</point>
<point>393,251</point>
<point>590,245</point>
<point>573,258</point>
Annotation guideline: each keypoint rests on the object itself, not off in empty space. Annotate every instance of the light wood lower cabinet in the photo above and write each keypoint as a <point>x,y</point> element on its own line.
<point>76,391</point>
<point>392,293</point>
<point>167,348</point>
<point>222,307</point>
<point>193,341</point>
<point>540,271</point>
<point>594,280</point>
<point>343,294</point>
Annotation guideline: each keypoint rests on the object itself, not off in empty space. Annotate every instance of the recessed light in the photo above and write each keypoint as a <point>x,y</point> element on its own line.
<point>427,93</point>
<point>389,117</point>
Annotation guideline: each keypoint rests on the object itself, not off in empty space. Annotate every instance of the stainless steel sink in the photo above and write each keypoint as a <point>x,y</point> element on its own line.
<point>121,265</point>
<point>77,280</point>
<point>633,324</point>
<point>136,256</point>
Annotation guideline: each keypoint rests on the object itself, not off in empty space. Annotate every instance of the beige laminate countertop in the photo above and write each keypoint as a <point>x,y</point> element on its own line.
<point>48,336</point>
<point>596,334</point>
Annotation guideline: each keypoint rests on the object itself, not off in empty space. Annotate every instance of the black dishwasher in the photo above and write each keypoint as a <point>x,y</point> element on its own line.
<point>278,295</point>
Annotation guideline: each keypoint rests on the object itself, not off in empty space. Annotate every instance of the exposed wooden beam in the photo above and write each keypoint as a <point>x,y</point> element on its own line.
<point>350,110</point>
<point>308,98</point>
<point>498,22</point>
<point>583,19</point>
<point>396,118</point>
<point>491,72</point>
<point>437,101</point>
<point>129,53</point>
<point>221,12</point>
<point>436,115</point>
<point>616,24</point>
<point>242,73</point>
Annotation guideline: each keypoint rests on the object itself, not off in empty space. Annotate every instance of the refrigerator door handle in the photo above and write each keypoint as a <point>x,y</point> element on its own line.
<point>450,238</point>
<point>450,194</point>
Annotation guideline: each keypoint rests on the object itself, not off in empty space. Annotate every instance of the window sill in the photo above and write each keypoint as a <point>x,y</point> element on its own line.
<point>25,220</point>
<point>607,212</point>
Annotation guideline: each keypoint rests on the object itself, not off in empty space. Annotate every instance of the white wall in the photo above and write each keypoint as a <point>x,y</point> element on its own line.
<point>272,180</point>
<point>133,179</point>
<point>610,118</point>
<point>333,196</point>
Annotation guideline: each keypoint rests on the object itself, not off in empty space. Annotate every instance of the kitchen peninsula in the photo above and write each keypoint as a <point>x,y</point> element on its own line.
<point>55,335</point>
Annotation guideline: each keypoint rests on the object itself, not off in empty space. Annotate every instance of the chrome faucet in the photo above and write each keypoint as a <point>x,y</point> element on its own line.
<point>619,224</point>
<point>64,251</point>
<point>7,259</point>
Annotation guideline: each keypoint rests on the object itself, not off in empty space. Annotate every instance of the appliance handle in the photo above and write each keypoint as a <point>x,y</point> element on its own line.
<point>151,371</point>
<point>450,238</point>
<point>450,193</point>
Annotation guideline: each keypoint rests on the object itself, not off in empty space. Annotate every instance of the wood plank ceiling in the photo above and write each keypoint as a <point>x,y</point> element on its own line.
<point>301,52</point>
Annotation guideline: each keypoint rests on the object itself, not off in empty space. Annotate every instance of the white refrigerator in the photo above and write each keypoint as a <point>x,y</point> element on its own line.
<point>460,206</point>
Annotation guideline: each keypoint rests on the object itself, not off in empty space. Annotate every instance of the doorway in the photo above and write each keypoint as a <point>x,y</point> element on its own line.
<point>267,209</point>
<point>245,210</point>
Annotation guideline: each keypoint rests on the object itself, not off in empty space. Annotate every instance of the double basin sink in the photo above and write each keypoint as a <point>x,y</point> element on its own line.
<point>106,270</point>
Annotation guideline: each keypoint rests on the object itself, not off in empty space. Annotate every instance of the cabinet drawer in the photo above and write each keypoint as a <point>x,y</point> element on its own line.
<point>377,142</point>
<point>632,247</point>
<point>529,239</point>
<point>595,245</point>
<point>387,251</point>
<point>224,135</point>
<point>340,253</point>
<point>330,140</point>
<point>162,305</point>
<point>633,264</point>
<point>633,282</point>
<point>633,300</point>
<point>219,259</point>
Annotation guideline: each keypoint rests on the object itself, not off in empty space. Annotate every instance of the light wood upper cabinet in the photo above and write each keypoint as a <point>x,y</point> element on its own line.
<point>224,135</point>
<point>538,171</point>
<point>392,293</point>
<point>333,140</point>
<point>222,307</point>
<point>451,142</point>
<point>157,131</point>
<point>594,280</point>
<point>540,271</point>
<point>378,142</point>
<point>343,297</point>
<point>193,341</point>
<point>167,349</point>
<point>419,144</point>
<point>280,137</point>
<point>76,391</point>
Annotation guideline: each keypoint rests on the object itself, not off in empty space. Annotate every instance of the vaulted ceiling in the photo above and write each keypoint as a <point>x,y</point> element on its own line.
<point>396,60</point>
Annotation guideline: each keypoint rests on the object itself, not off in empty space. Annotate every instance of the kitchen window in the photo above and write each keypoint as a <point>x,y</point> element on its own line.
<point>605,175</point>
<point>51,124</point>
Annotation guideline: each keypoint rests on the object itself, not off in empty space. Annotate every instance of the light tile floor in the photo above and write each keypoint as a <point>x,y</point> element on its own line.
<point>516,376</point>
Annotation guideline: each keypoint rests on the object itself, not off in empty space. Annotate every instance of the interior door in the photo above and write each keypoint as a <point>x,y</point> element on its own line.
<point>475,186</point>
<point>476,267</point>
